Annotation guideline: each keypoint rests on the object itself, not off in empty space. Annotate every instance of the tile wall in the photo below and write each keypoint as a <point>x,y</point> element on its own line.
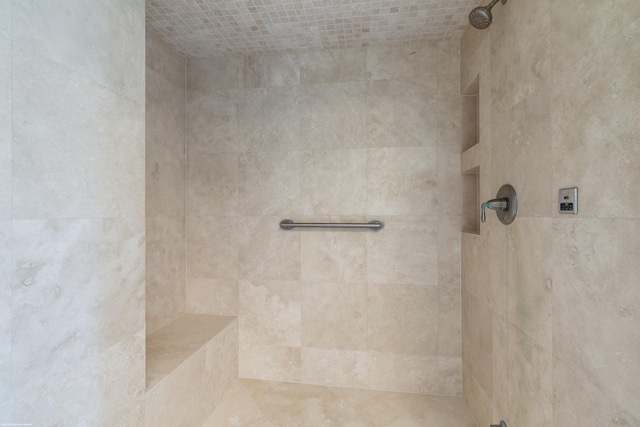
<point>332,135</point>
<point>551,304</point>
<point>5,210</point>
<point>72,213</point>
<point>165,183</point>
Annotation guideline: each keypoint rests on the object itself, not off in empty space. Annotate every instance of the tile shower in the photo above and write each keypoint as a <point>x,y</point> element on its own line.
<point>545,307</point>
<point>331,135</point>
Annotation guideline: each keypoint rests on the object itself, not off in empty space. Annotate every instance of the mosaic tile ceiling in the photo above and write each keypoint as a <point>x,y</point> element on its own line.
<point>201,28</point>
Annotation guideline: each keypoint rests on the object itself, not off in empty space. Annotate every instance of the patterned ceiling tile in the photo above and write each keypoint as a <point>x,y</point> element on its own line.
<point>201,28</point>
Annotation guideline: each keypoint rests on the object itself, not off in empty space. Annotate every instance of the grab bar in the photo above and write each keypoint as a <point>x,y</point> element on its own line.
<point>287,224</point>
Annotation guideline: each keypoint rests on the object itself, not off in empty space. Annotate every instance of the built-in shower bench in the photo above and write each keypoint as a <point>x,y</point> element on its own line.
<point>190,364</point>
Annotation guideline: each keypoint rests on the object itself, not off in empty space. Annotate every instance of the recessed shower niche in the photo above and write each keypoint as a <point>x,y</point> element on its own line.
<point>469,159</point>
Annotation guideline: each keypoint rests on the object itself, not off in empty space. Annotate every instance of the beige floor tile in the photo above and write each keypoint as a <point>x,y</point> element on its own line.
<point>254,403</point>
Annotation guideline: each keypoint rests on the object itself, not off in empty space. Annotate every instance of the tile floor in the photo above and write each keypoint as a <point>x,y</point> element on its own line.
<point>253,403</point>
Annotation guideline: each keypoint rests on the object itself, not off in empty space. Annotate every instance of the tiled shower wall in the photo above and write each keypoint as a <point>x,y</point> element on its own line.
<point>165,183</point>
<point>332,135</point>
<point>551,303</point>
<point>72,213</point>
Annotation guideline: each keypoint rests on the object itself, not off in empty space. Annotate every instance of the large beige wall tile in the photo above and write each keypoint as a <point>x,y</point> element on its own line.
<point>501,378</point>
<point>105,388</point>
<point>221,365</point>
<point>266,252</point>
<point>206,75</point>
<point>450,185</point>
<point>414,373</point>
<point>65,271</point>
<point>491,272</point>
<point>332,65</point>
<point>595,127</point>
<point>270,313</point>
<point>486,95</point>
<point>342,368</point>
<point>457,132</point>
<point>469,248</point>
<point>162,59</point>
<point>166,270</point>
<point>5,128</point>
<point>579,27</point>
<point>521,153</point>
<point>402,181</point>
<point>334,315</point>
<point>270,362</point>
<point>333,182</point>
<point>5,18</point>
<point>269,119</point>
<point>477,399</point>
<point>401,113</point>
<point>271,70</point>
<point>529,278</point>
<point>333,116</point>
<point>212,247</point>
<point>236,407</point>
<point>449,58</point>
<point>449,248</point>
<point>165,182</point>
<point>449,321</point>
<point>67,162</point>
<point>454,112</point>
<point>269,183</point>
<point>418,61</point>
<point>531,383</point>
<point>591,407</point>
<point>477,342</point>
<point>404,253</point>
<point>102,42</point>
<point>213,296</point>
<point>5,317</point>
<point>449,309</point>
<point>73,263</point>
<point>212,184</point>
<point>332,255</point>
<point>165,119</point>
<point>472,56</point>
<point>403,319</point>
<point>212,119</point>
<point>595,303</point>
<point>521,32</point>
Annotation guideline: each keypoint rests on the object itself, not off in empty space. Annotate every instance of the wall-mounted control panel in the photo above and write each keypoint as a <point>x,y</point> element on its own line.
<point>568,200</point>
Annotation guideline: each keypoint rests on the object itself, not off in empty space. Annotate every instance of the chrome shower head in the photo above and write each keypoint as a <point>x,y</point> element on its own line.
<point>481,17</point>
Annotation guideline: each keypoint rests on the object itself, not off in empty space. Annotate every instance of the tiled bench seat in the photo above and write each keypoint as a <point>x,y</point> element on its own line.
<point>191,362</point>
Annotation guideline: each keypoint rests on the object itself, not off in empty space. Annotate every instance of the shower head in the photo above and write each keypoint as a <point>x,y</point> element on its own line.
<point>481,17</point>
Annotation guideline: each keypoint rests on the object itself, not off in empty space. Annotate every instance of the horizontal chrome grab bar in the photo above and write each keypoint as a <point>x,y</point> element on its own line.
<point>287,224</point>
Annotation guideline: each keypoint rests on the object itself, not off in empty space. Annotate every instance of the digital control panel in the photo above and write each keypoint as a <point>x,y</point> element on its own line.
<point>568,200</point>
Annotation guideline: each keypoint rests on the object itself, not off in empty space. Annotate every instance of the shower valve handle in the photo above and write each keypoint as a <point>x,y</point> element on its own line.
<point>496,205</point>
<point>505,204</point>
